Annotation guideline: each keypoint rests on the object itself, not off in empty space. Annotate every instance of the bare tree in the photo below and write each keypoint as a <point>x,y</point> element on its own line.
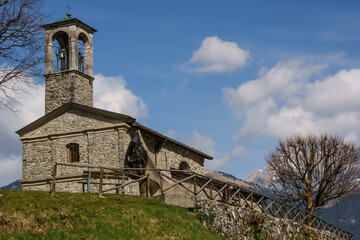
<point>20,45</point>
<point>310,171</point>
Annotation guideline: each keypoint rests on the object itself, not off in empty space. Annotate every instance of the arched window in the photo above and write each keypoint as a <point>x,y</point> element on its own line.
<point>184,166</point>
<point>61,51</point>
<point>73,150</point>
<point>82,42</point>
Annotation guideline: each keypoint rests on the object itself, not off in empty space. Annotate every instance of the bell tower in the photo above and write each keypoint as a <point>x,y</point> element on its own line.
<point>68,63</point>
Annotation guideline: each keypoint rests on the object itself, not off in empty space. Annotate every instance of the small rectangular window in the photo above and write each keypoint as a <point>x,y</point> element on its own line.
<point>73,149</point>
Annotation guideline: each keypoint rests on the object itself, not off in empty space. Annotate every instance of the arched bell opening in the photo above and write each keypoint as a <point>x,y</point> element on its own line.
<point>184,166</point>
<point>83,43</point>
<point>61,51</point>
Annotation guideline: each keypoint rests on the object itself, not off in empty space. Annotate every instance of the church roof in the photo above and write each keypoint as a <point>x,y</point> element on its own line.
<point>68,20</point>
<point>125,118</point>
<point>138,125</point>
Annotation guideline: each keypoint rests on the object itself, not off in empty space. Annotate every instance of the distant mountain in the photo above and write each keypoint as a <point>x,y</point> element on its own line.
<point>343,213</point>
<point>260,177</point>
<point>226,177</point>
<point>13,186</point>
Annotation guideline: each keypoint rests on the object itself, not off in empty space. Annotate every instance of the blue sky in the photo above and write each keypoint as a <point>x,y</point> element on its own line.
<point>227,77</point>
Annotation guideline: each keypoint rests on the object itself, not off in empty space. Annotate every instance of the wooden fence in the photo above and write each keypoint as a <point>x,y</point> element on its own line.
<point>210,188</point>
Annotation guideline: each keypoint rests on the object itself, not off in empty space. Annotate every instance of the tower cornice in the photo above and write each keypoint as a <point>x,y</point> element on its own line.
<point>65,72</point>
<point>69,22</point>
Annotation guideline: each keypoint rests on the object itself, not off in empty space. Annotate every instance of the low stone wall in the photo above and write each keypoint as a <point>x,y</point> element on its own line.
<point>241,223</point>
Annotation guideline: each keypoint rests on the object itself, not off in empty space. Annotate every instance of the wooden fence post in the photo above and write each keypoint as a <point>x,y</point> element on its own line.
<point>88,183</point>
<point>122,183</point>
<point>161,182</point>
<point>53,180</point>
<point>101,182</point>
<point>226,194</point>
<point>194,185</point>
<point>211,195</point>
<point>252,202</point>
<point>148,185</point>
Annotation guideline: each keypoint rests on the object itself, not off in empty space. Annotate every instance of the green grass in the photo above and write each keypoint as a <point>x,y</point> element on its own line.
<point>37,215</point>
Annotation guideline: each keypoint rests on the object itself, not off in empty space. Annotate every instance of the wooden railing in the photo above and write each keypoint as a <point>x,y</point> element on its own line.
<point>196,184</point>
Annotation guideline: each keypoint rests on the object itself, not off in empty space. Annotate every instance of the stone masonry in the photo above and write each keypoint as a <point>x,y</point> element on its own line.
<point>68,86</point>
<point>103,141</point>
<point>237,223</point>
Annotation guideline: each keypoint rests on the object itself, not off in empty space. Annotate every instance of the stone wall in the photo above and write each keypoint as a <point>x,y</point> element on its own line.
<point>170,155</point>
<point>72,121</point>
<point>102,142</point>
<point>67,86</point>
<point>36,159</point>
<point>233,222</point>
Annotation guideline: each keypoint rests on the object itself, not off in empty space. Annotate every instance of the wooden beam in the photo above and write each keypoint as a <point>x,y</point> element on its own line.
<point>291,208</point>
<point>53,180</point>
<point>182,185</point>
<point>89,178</point>
<point>278,210</point>
<point>234,194</point>
<point>123,185</point>
<point>195,185</point>
<point>148,185</point>
<point>101,182</point>
<point>221,189</point>
<point>268,206</point>
<point>177,182</point>
<point>161,182</point>
<point>258,202</point>
<point>203,186</point>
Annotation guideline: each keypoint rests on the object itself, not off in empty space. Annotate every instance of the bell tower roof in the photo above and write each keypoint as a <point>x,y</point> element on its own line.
<point>67,21</point>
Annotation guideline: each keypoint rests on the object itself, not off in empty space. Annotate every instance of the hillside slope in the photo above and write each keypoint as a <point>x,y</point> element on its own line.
<point>36,215</point>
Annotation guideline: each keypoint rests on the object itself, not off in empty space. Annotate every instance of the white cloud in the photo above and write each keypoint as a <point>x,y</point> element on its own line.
<point>256,116</point>
<point>337,93</point>
<point>216,55</point>
<point>217,162</point>
<point>206,145</point>
<point>335,55</point>
<point>238,150</point>
<point>202,143</point>
<point>284,81</point>
<point>110,93</point>
<point>31,108</point>
<point>171,133</point>
<point>285,100</point>
<point>14,88</point>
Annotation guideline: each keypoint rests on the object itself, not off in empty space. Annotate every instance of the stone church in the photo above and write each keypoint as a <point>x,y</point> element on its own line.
<point>73,131</point>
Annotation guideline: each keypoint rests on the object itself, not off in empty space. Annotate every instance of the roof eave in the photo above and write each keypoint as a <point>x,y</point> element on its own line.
<point>69,22</point>
<point>70,105</point>
<point>136,124</point>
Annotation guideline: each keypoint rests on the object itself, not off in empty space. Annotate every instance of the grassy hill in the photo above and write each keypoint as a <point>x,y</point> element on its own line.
<point>36,215</point>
